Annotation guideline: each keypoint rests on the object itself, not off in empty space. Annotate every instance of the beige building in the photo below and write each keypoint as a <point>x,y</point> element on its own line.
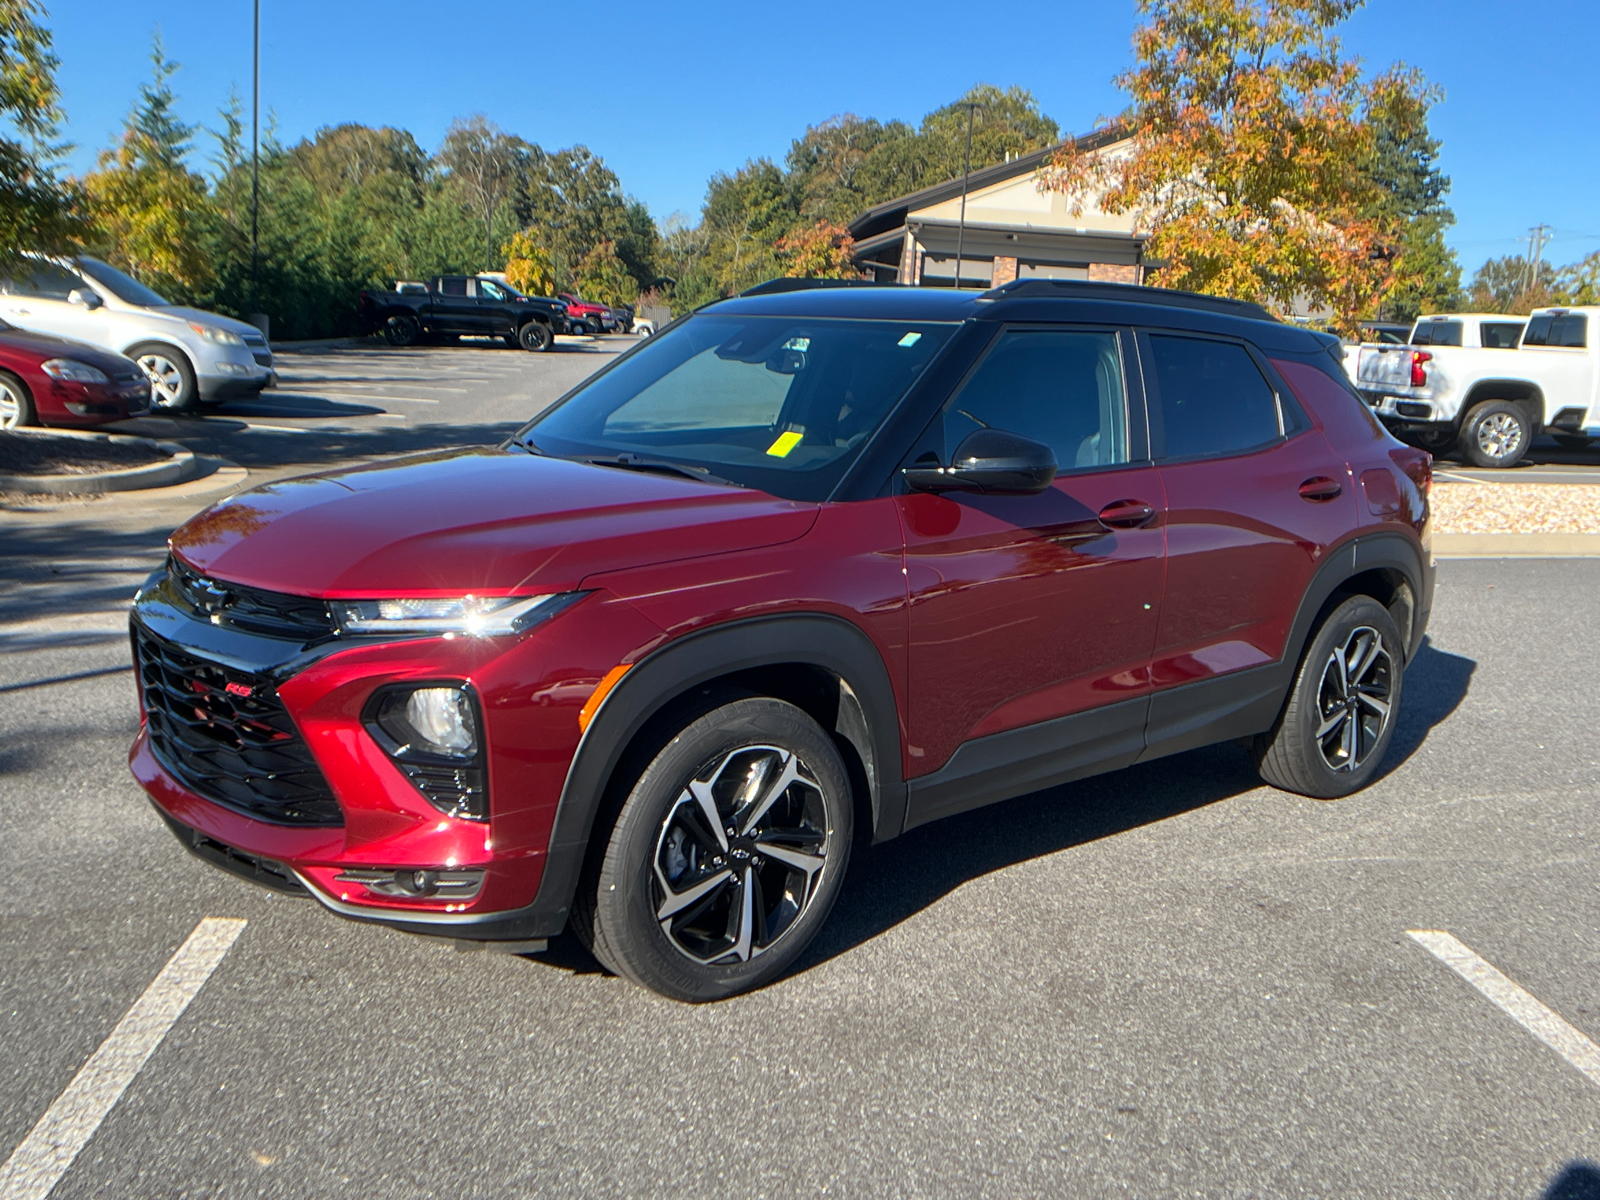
<point>1012,231</point>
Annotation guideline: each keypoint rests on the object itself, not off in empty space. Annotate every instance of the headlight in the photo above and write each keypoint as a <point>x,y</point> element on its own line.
<point>76,372</point>
<point>217,337</point>
<point>475,616</point>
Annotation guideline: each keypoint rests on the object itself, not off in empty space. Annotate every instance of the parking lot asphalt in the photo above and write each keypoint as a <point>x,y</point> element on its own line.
<point>1167,982</point>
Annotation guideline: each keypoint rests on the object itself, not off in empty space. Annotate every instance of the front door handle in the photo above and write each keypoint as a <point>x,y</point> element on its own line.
<point>1319,489</point>
<point>1126,514</point>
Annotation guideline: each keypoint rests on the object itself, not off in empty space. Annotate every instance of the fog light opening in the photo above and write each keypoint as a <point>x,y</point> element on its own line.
<point>417,883</point>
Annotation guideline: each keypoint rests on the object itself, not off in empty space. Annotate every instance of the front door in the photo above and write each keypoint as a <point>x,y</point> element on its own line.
<point>1255,496</point>
<point>1029,610</point>
<point>494,307</point>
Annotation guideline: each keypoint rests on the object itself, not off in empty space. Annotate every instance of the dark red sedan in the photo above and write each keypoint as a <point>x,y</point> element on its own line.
<point>47,380</point>
<point>806,571</point>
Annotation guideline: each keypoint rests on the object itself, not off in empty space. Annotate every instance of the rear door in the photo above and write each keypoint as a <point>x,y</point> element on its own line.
<point>1255,496</point>
<point>455,309</point>
<point>1029,610</point>
<point>35,299</point>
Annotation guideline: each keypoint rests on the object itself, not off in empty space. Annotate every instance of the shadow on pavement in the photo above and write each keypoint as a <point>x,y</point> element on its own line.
<point>317,449</point>
<point>1436,683</point>
<point>1578,1180</point>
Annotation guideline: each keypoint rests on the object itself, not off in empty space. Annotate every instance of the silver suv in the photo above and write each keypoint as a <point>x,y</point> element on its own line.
<point>191,356</point>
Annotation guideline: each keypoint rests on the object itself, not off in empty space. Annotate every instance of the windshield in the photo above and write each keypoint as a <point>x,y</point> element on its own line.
<point>124,287</point>
<point>776,403</point>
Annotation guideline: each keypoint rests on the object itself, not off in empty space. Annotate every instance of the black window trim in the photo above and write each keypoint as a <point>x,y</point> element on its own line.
<point>1282,395</point>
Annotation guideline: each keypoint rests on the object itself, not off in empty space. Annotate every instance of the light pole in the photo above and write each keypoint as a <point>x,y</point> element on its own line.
<point>255,160</point>
<point>961,227</point>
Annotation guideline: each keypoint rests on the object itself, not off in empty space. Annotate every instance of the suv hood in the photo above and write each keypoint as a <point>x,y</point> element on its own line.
<point>490,521</point>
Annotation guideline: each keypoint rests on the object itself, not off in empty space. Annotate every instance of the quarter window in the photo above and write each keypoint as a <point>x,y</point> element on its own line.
<point>1060,387</point>
<point>1210,399</point>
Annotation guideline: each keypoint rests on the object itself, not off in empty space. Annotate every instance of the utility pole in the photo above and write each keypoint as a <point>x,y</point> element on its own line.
<point>1540,234</point>
<point>255,162</point>
<point>961,227</point>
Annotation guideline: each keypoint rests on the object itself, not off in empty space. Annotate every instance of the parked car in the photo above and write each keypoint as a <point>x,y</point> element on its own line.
<point>588,317</point>
<point>452,305</point>
<point>50,381</point>
<point>1487,404</point>
<point>644,327</point>
<point>191,356</point>
<point>624,317</point>
<point>806,571</point>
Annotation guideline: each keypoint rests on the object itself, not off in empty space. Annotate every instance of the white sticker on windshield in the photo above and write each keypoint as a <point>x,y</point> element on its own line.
<point>910,339</point>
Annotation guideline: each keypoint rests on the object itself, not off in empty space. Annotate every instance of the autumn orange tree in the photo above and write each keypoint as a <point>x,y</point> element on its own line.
<point>1248,167</point>
<point>820,251</point>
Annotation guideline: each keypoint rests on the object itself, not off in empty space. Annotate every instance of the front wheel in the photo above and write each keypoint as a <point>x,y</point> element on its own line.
<point>727,855</point>
<point>1496,434</point>
<point>535,336</point>
<point>172,382</point>
<point>1341,713</point>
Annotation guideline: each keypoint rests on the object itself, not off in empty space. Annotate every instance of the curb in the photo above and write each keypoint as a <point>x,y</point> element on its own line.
<point>179,468</point>
<point>1516,545</point>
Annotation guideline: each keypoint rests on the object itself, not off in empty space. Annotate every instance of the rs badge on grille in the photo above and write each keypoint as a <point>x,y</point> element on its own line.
<point>238,689</point>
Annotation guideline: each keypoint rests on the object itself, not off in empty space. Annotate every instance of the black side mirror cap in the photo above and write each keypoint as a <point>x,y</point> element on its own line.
<point>990,461</point>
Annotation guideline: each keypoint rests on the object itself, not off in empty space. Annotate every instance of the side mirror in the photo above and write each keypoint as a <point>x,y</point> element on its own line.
<point>84,297</point>
<point>991,461</point>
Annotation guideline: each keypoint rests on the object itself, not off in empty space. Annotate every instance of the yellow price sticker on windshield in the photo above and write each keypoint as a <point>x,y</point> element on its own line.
<point>785,443</point>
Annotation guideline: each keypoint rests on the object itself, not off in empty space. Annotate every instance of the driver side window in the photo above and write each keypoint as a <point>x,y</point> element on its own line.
<point>1060,387</point>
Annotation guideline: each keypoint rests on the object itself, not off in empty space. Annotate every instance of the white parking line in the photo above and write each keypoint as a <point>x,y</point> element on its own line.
<point>1544,1023</point>
<point>69,1123</point>
<point>275,428</point>
<point>365,396</point>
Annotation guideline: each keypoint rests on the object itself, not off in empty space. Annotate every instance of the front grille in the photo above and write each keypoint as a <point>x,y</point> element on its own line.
<point>263,357</point>
<point>454,791</point>
<point>226,735</point>
<point>275,614</point>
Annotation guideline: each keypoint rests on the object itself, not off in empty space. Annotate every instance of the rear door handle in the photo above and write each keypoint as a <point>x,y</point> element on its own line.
<point>1126,514</point>
<point>1319,489</point>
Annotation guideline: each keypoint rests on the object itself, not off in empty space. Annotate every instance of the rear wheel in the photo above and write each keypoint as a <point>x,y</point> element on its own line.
<point>16,404</point>
<point>401,331</point>
<point>172,382</point>
<point>726,857</point>
<point>1340,716</point>
<point>1496,434</point>
<point>535,336</point>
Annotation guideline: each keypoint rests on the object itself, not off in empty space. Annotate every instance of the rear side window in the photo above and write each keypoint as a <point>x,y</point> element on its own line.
<point>1556,329</point>
<point>1059,387</point>
<point>1209,399</point>
<point>1500,335</point>
<point>1436,333</point>
<point>453,287</point>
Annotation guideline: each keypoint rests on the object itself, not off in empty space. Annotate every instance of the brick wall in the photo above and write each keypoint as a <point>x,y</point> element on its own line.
<point>1113,273</point>
<point>1005,270</point>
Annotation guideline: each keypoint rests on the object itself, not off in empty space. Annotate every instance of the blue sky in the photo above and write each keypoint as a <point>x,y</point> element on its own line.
<point>669,93</point>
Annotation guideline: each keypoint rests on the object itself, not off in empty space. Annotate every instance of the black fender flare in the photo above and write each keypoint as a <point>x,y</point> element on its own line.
<point>1378,551</point>
<point>867,713</point>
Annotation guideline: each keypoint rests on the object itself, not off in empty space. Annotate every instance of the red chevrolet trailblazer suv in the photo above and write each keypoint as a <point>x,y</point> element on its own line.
<point>807,570</point>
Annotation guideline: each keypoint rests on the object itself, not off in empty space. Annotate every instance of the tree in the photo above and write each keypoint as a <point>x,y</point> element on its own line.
<point>1410,192</point>
<point>482,161</point>
<point>148,207</point>
<point>820,251</point>
<point>602,276</point>
<point>38,211</point>
<point>1251,135</point>
<point>1579,282</point>
<point>1508,285</point>
<point>528,267</point>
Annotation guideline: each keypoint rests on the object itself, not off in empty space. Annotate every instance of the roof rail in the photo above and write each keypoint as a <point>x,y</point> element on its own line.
<point>786,283</point>
<point>1131,293</point>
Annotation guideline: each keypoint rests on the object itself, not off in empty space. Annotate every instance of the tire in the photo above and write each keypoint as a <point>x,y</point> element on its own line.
<point>1573,441</point>
<point>591,329</point>
<point>1496,433</point>
<point>172,384</point>
<point>1331,738</point>
<point>16,403</point>
<point>757,897</point>
<point>535,336</point>
<point>401,331</point>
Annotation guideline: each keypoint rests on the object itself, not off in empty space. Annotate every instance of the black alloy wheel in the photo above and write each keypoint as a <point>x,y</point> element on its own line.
<point>535,336</point>
<point>401,331</point>
<point>1341,712</point>
<point>726,857</point>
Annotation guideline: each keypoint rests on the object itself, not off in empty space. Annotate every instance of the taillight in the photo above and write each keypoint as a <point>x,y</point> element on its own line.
<point>1417,464</point>
<point>1419,370</point>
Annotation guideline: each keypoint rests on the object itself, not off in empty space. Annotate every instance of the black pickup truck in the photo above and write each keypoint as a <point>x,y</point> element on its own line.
<point>453,305</point>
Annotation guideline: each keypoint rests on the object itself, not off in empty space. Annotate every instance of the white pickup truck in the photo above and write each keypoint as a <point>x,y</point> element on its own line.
<point>1487,400</point>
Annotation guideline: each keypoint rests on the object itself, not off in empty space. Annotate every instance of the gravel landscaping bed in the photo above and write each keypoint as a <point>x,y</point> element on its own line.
<point>1516,508</point>
<point>29,453</point>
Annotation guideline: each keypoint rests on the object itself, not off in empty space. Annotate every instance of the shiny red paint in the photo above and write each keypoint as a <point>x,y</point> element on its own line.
<point>65,402</point>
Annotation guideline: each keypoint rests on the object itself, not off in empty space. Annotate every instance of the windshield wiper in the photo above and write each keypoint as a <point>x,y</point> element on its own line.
<point>632,462</point>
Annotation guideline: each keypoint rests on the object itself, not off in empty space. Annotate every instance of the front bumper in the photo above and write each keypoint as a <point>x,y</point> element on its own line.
<point>234,387</point>
<point>530,701</point>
